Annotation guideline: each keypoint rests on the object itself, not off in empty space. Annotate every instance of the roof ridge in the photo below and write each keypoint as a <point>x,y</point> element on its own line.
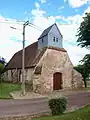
<point>46,31</point>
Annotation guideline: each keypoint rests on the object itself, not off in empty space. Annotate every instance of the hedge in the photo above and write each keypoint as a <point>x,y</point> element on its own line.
<point>58,105</point>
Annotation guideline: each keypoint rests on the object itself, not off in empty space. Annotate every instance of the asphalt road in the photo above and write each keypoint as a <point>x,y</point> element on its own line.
<point>23,107</point>
<point>79,99</point>
<point>35,106</point>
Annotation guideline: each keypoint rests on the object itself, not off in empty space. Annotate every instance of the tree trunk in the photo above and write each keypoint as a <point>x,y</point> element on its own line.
<point>85,83</point>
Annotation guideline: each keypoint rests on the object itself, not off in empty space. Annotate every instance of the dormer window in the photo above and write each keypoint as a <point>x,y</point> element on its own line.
<point>54,39</point>
<point>42,40</point>
<point>57,39</point>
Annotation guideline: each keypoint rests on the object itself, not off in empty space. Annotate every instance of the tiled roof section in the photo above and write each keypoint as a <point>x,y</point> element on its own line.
<point>45,32</point>
<point>30,54</point>
<point>15,61</point>
<point>37,58</point>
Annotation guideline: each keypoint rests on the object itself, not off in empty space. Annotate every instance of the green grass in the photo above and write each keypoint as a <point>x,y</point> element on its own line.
<point>6,88</point>
<point>81,114</point>
<point>88,88</point>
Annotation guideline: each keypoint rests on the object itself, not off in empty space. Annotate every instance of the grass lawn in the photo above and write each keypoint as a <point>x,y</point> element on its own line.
<point>81,114</point>
<point>6,88</point>
<point>88,88</point>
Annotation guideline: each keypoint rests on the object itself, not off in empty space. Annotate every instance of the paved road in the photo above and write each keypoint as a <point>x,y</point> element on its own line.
<point>34,106</point>
<point>79,99</point>
<point>23,107</point>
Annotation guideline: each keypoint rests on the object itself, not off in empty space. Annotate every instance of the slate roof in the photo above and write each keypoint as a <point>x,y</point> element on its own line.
<point>46,31</point>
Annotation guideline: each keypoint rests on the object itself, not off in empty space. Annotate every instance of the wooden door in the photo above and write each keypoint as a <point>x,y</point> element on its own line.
<point>57,81</point>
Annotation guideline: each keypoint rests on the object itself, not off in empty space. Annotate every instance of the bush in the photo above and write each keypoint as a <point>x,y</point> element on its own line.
<point>58,105</point>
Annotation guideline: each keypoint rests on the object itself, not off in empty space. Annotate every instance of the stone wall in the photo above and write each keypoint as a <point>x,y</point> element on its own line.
<point>7,76</point>
<point>29,74</point>
<point>77,79</point>
<point>15,75</point>
<point>12,75</point>
<point>56,61</point>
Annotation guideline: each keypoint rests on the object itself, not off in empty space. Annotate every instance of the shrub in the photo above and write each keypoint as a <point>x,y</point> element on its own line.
<point>58,105</point>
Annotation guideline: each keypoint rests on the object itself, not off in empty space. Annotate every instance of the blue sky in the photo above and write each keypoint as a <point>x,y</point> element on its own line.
<point>42,13</point>
<point>19,9</point>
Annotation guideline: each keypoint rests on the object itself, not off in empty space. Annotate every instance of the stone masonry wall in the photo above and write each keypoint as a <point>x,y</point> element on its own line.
<point>55,61</point>
<point>77,79</point>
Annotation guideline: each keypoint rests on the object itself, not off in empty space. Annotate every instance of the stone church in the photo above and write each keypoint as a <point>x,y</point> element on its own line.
<point>47,64</point>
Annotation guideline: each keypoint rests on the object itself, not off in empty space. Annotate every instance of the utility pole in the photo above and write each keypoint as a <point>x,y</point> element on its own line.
<point>23,53</point>
<point>23,58</point>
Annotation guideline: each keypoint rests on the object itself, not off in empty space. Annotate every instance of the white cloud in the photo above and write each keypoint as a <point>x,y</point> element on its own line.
<point>38,12</point>
<point>7,46</point>
<point>43,1</point>
<point>39,18</point>
<point>87,10</point>
<point>37,5</point>
<point>77,3</point>
<point>69,32</point>
<point>76,19</point>
<point>76,53</point>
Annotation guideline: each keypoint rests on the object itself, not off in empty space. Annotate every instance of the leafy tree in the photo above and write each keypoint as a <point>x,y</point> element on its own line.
<point>84,68</point>
<point>84,32</point>
<point>83,71</point>
<point>86,60</point>
<point>2,65</point>
<point>84,41</point>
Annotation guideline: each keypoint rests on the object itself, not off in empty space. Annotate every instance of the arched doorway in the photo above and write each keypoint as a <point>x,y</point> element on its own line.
<point>57,81</point>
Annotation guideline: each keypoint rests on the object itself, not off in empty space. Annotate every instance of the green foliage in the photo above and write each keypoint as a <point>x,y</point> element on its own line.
<point>58,106</point>
<point>1,67</point>
<point>83,70</point>
<point>84,32</point>
<point>84,67</point>
<point>6,88</point>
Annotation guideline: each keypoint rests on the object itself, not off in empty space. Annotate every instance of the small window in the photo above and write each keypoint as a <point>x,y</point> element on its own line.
<point>42,40</point>
<point>57,39</point>
<point>54,39</point>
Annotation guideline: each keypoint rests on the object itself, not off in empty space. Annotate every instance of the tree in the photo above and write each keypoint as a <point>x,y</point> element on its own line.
<point>84,32</point>
<point>84,68</point>
<point>83,71</point>
<point>2,65</point>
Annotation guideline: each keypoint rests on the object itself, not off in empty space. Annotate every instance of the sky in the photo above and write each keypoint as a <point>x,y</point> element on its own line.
<point>41,13</point>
